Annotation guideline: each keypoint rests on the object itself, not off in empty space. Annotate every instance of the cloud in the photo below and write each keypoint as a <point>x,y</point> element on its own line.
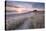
<point>22,7</point>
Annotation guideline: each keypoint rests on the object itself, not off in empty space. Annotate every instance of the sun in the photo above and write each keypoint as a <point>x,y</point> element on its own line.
<point>20,10</point>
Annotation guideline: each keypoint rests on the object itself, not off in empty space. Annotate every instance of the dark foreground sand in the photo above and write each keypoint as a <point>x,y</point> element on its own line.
<point>33,20</point>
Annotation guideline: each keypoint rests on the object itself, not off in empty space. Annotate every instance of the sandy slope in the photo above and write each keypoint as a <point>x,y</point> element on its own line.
<point>24,21</point>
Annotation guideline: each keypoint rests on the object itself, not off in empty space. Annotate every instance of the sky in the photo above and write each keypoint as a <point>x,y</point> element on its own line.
<point>26,4</point>
<point>21,5</point>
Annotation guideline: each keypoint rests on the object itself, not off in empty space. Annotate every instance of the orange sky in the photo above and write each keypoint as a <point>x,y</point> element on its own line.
<point>21,10</point>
